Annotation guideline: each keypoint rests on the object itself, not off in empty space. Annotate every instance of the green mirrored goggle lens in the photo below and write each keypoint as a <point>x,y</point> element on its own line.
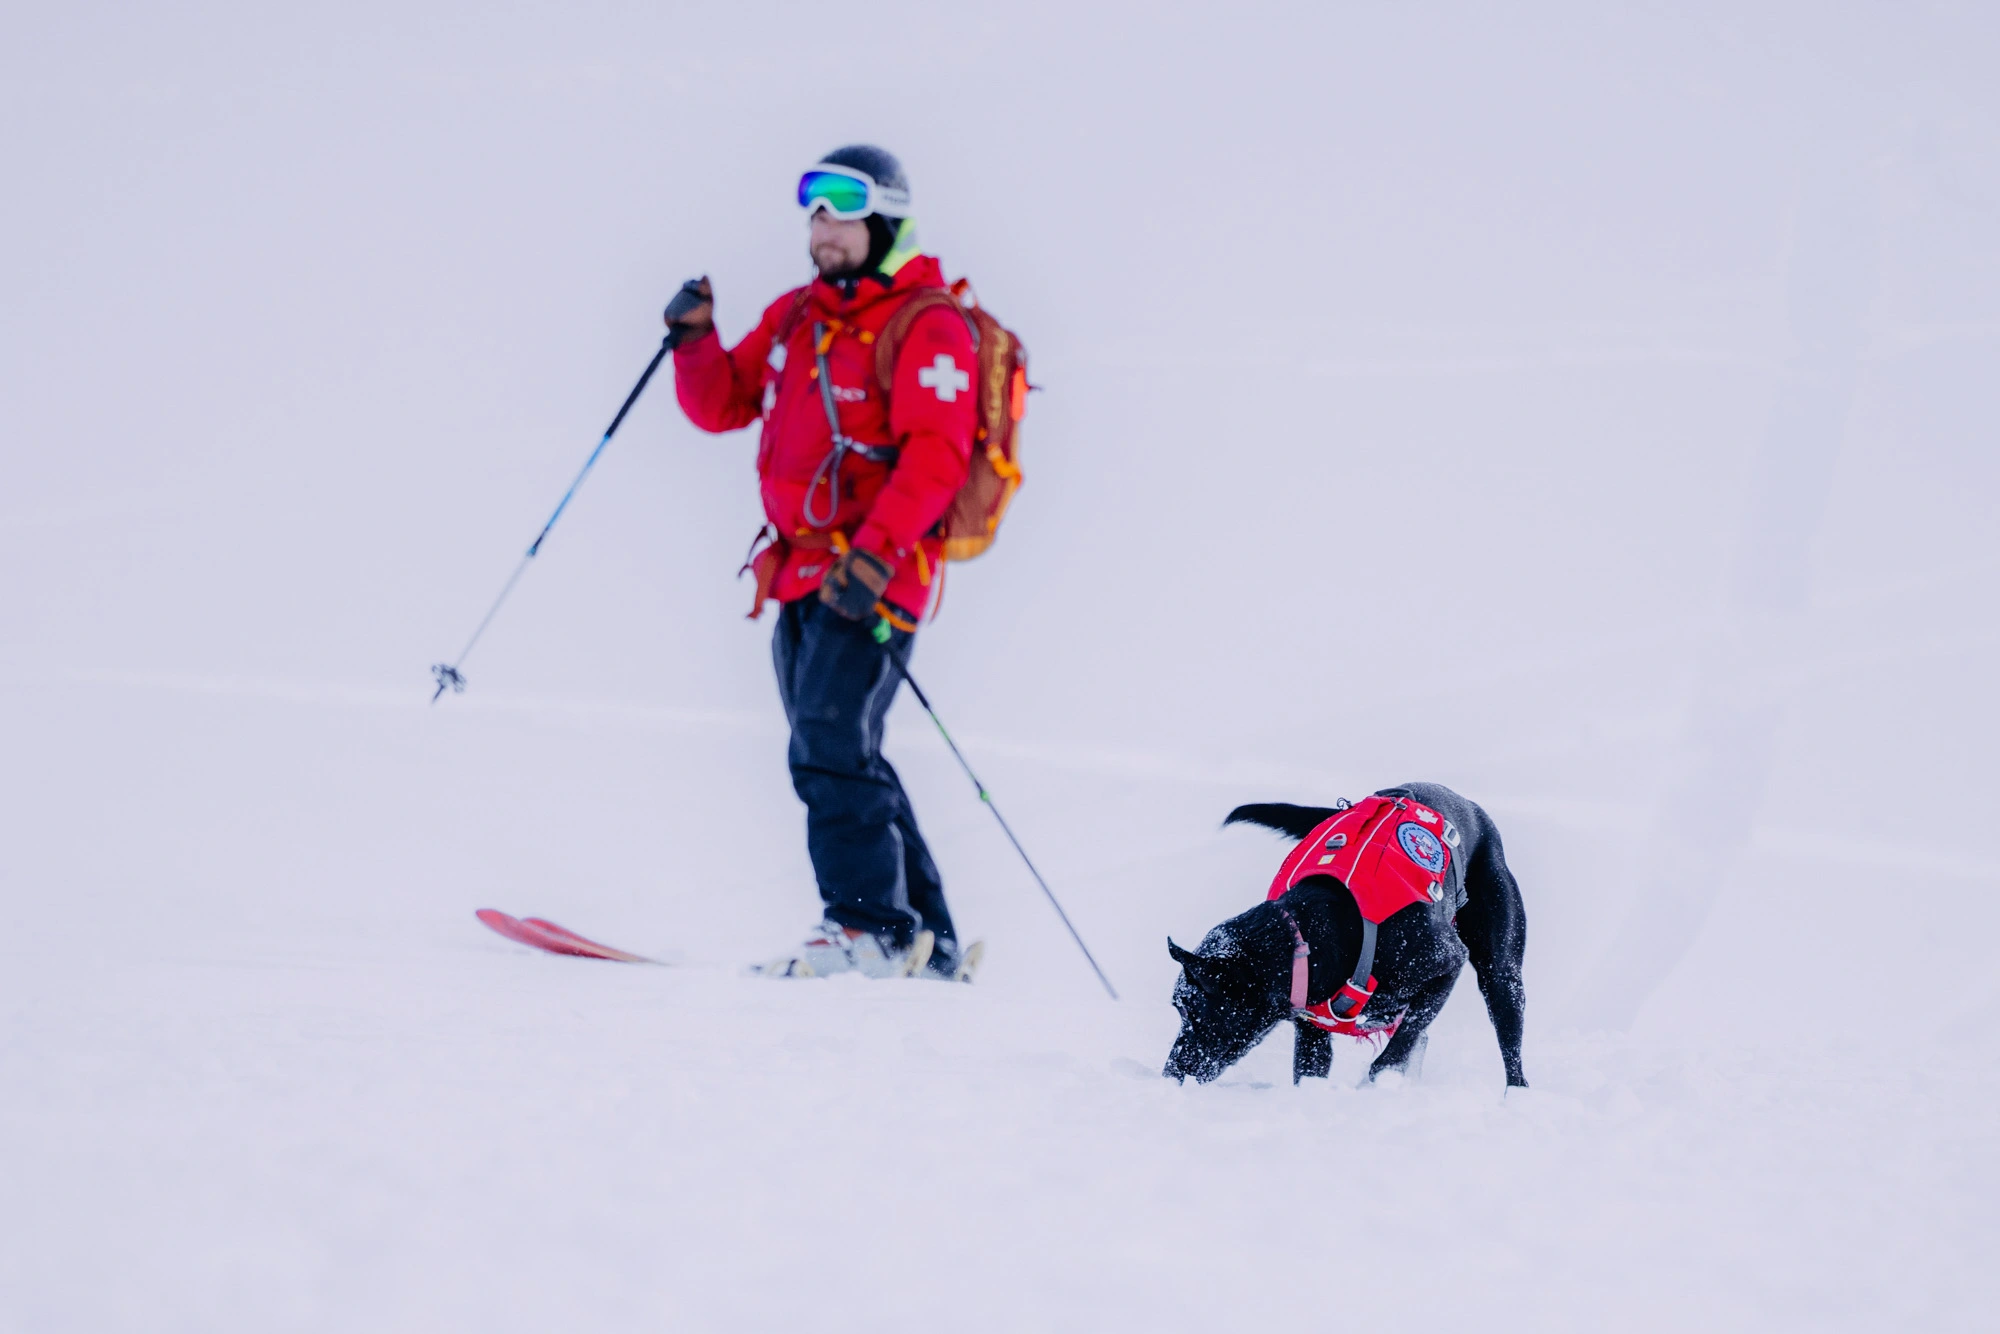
<point>844,196</point>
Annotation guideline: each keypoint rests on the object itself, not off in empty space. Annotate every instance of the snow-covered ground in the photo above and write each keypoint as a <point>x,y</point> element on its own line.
<point>1592,411</point>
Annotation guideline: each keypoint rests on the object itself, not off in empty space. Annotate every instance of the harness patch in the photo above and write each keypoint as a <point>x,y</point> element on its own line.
<point>1422,845</point>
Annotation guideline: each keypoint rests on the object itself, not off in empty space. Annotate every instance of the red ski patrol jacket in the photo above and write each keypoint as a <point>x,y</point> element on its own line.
<point>887,507</point>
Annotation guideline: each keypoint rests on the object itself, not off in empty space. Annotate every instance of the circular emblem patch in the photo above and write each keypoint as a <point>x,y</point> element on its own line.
<point>1422,845</point>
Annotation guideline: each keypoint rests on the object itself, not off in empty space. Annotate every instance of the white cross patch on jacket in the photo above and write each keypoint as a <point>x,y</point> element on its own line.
<point>943,378</point>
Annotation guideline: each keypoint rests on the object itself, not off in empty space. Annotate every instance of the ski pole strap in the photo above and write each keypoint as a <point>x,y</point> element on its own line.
<point>889,619</point>
<point>893,615</point>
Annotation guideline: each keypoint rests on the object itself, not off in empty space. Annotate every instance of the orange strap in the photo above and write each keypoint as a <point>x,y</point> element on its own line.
<point>833,326</point>
<point>1003,467</point>
<point>937,600</point>
<point>842,545</point>
<point>908,627</point>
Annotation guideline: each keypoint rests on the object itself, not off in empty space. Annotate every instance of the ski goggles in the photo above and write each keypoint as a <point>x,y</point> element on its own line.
<point>848,194</point>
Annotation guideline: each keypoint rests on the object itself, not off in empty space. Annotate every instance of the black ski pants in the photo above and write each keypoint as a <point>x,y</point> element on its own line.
<point>875,874</point>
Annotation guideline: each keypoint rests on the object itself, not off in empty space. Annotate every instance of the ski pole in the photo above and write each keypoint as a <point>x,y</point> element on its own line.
<point>447,674</point>
<point>987,797</point>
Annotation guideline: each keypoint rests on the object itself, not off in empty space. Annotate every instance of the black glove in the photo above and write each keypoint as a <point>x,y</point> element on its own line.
<point>855,583</point>
<point>691,314</point>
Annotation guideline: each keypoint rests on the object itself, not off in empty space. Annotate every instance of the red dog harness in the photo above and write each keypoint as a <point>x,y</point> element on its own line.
<point>1390,852</point>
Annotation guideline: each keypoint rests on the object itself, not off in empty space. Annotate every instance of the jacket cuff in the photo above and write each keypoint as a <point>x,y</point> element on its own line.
<point>705,346</point>
<point>876,541</point>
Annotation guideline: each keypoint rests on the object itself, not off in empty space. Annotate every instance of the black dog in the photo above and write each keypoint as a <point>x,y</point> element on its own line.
<point>1238,986</point>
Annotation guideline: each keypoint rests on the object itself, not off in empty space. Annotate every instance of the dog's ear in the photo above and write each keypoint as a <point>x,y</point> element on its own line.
<point>1184,958</point>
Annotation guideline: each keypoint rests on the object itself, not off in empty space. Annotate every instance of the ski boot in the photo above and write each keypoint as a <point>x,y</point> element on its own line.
<point>832,948</point>
<point>951,963</point>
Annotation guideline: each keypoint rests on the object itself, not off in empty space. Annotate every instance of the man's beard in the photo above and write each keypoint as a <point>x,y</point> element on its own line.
<point>833,261</point>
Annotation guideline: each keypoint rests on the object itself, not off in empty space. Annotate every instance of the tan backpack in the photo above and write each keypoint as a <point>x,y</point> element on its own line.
<point>1000,390</point>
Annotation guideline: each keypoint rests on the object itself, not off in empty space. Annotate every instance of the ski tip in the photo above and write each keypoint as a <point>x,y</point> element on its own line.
<point>514,929</point>
<point>920,953</point>
<point>526,933</point>
<point>583,944</point>
<point>969,960</point>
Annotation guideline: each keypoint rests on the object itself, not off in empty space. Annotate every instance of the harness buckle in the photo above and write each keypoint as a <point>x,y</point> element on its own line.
<point>1351,1000</point>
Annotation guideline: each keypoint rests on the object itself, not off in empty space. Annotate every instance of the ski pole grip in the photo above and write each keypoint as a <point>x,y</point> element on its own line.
<point>691,313</point>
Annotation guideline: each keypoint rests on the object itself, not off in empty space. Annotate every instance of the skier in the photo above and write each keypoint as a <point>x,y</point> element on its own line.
<point>853,488</point>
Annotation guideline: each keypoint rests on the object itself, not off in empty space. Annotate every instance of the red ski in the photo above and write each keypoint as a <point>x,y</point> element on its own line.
<point>596,949</point>
<point>542,934</point>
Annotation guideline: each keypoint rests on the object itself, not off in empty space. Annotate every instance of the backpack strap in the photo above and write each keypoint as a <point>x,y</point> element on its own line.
<point>889,343</point>
<point>789,323</point>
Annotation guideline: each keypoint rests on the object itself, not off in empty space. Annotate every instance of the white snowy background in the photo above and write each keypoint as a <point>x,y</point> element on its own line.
<point>1591,407</point>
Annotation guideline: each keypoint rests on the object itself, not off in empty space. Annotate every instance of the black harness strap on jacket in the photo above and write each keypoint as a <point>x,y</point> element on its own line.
<point>842,445</point>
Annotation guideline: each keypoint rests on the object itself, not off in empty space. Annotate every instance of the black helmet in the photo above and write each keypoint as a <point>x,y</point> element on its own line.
<point>886,224</point>
<point>878,165</point>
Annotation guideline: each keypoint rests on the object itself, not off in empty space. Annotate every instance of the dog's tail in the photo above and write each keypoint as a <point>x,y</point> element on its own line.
<point>1298,821</point>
